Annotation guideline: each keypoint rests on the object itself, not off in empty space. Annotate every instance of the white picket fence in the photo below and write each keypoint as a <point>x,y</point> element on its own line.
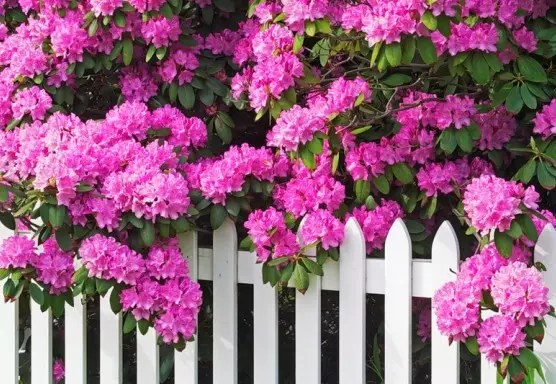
<point>398,277</point>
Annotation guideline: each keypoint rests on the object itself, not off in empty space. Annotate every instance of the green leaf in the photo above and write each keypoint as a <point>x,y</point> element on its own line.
<point>394,54</point>
<point>63,239</point>
<point>464,140</point>
<point>444,25</point>
<point>413,226</point>
<point>186,96</point>
<point>127,51</point>
<point>7,220</point>
<point>514,230</point>
<point>472,345</point>
<point>427,50</point>
<point>93,27</point>
<point>80,275</point>
<point>529,100</point>
<point>307,157</point>
<point>504,244</point>
<point>147,233</point>
<point>530,360</point>
<point>396,80</point>
<point>479,68</point>
<point>298,43</point>
<point>514,102</point>
<point>129,323</point>
<point>36,293</point>
<point>115,299</point>
<point>431,207</point>
<point>408,49</point>
<point>527,226</point>
<point>206,96</point>
<point>310,28</point>
<point>225,5</point>
<point>173,92</point>
<point>315,145</point>
<point>474,131</point>
<point>370,202</point>
<point>4,193</point>
<point>232,206</point>
<point>312,266</point>
<point>301,278</point>
<point>493,62</point>
<point>403,173</point>
<point>119,19</point>
<point>217,87</point>
<point>335,162</point>
<point>143,326</point>
<point>286,273</point>
<point>223,131</point>
<point>56,215</point>
<point>9,289</point>
<point>103,286</point>
<point>208,15</point>
<point>150,53</point>
<point>323,25</point>
<point>448,141</point>
<point>277,261</point>
<point>166,11</point>
<point>429,20</point>
<point>57,305</point>
<point>527,171</point>
<point>217,215</point>
<point>362,190</point>
<point>546,178</point>
<point>382,184</point>
<point>161,52</point>
<point>246,244</point>
<point>531,69</point>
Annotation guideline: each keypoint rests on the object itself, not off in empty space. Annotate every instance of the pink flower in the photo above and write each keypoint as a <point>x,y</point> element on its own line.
<point>17,252</point>
<point>105,7</point>
<point>58,371</point>
<point>322,226</point>
<point>497,128</point>
<point>525,39</point>
<point>160,31</point>
<point>500,335</point>
<point>54,267</point>
<point>137,83</point>
<point>34,101</point>
<point>520,292</point>
<point>376,223</point>
<point>424,325</point>
<point>457,310</point>
<point>545,121</point>
<point>295,126</point>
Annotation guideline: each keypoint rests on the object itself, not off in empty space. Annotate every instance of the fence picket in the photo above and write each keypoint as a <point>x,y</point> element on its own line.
<point>76,342</point>
<point>352,305</point>
<point>397,305</point>
<point>9,345</point>
<point>225,303</point>
<point>41,345</point>
<point>545,252</point>
<point>110,343</point>
<point>308,328</point>
<point>147,358</point>
<point>265,330</point>
<point>445,261</point>
<point>185,362</point>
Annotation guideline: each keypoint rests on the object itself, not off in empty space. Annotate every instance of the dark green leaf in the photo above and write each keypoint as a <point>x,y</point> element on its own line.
<point>530,360</point>
<point>287,273</point>
<point>393,53</point>
<point>382,184</point>
<point>208,15</point>
<point>80,275</point>
<point>130,323</point>
<point>515,230</point>
<point>186,96</point>
<point>103,286</point>
<point>431,207</point>
<point>427,50</point>
<point>429,20</point>
<point>143,326</point>
<point>413,226</point>
<point>448,141</point>
<point>147,233</point>
<point>63,238</point>
<point>217,87</point>
<point>301,278</point>
<point>225,5</point>
<point>7,220</point>
<point>115,304</point>
<point>150,53</point>
<point>531,70</point>
<point>56,215</point>
<point>362,190</point>
<point>472,345</point>
<point>217,215</point>
<point>4,193</point>
<point>232,206</point>
<point>403,173</point>
<point>546,178</point>
<point>514,102</point>
<point>315,145</point>
<point>166,11</point>
<point>504,243</point>
<point>396,80</point>
<point>127,51</point>
<point>119,19</point>
<point>307,157</point>
<point>206,96</point>
<point>479,68</point>
<point>527,226</point>
<point>529,100</point>
<point>408,49</point>
<point>223,131</point>
<point>36,293</point>
<point>277,261</point>
<point>312,266</point>
<point>464,140</point>
<point>370,202</point>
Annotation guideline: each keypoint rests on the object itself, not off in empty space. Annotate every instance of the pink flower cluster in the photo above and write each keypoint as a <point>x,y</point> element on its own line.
<point>492,203</point>
<point>271,236</point>
<point>377,222</point>
<point>53,266</point>
<point>463,38</point>
<point>159,288</point>
<point>516,289</point>
<point>545,121</point>
<point>58,370</point>
<point>322,226</point>
<point>33,101</point>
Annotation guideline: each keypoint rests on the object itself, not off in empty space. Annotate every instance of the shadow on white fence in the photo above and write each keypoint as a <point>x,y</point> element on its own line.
<point>398,277</point>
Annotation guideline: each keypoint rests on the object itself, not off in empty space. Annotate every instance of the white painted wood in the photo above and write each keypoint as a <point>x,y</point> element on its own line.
<point>185,362</point>
<point>147,358</point>
<point>75,361</point>
<point>397,305</point>
<point>41,345</point>
<point>308,327</point>
<point>352,305</point>
<point>110,343</point>
<point>265,329</point>
<point>545,252</point>
<point>445,261</point>
<point>9,341</point>
<point>225,304</point>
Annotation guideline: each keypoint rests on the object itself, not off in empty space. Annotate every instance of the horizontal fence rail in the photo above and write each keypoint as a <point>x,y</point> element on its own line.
<point>398,277</point>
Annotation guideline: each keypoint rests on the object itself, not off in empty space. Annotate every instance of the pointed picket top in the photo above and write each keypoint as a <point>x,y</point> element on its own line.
<point>445,260</point>
<point>397,305</point>
<point>545,252</point>
<point>352,305</point>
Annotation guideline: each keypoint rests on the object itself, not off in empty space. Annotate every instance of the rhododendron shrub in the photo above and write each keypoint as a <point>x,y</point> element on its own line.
<point>127,123</point>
